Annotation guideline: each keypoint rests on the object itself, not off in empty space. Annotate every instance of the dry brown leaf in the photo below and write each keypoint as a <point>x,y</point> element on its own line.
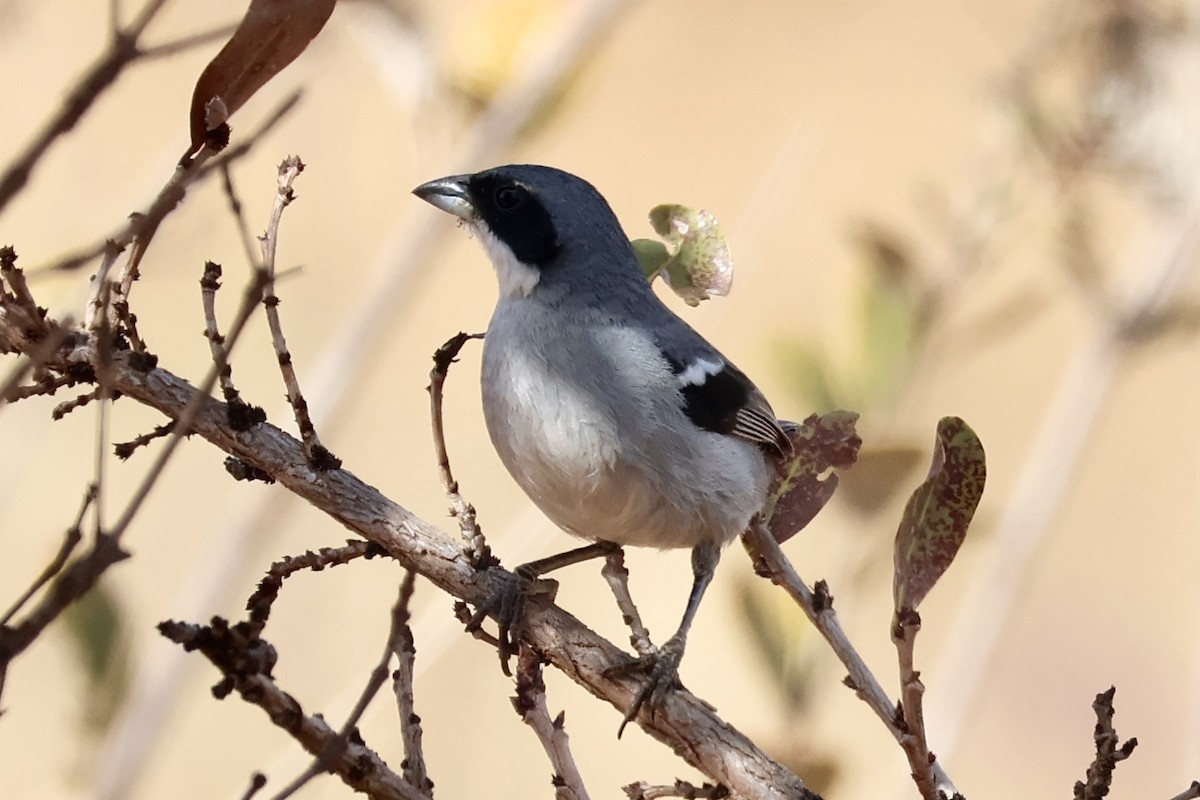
<point>270,36</point>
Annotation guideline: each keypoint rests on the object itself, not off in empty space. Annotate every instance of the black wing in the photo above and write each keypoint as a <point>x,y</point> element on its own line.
<point>719,397</point>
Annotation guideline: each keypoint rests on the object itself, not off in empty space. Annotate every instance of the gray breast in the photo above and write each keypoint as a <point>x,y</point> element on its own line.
<point>588,420</point>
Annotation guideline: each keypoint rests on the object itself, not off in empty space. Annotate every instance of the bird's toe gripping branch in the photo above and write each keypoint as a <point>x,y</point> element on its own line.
<point>662,677</point>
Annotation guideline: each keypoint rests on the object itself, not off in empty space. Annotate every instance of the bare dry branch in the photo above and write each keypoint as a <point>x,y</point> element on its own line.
<point>1190,793</point>
<point>1109,751</point>
<point>644,791</point>
<point>617,576</point>
<point>818,607</point>
<point>245,661</point>
<point>474,543</point>
<point>259,604</point>
<point>905,627</point>
<point>684,723</point>
<point>318,456</point>
<point>530,705</point>
<point>400,640</point>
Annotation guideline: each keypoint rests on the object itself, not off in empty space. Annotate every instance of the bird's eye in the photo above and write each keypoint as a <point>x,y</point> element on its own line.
<point>508,197</point>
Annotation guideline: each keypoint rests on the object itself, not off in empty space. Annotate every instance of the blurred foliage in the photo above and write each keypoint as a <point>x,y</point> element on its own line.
<point>493,42</point>
<point>96,628</point>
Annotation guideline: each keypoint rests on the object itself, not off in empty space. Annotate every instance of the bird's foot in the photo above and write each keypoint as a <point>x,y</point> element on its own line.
<point>506,604</point>
<point>662,676</point>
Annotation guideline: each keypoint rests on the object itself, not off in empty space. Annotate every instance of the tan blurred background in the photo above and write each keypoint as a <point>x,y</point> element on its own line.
<point>986,183</point>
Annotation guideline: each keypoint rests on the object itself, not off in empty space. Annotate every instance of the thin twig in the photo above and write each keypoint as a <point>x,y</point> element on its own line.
<point>318,456</point>
<point>1109,751</point>
<point>1190,793</point>
<point>125,234</point>
<point>644,791</point>
<point>530,705</point>
<point>404,648</point>
<point>67,406</point>
<point>210,282</point>
<point>336,747</point>
<point>257,782</point>
<point>617,576</point>
<point>818,607</point>
<point>250,299</point>
<point>123,450</point>
<point>245,661</point>
<point>905,626</point>
<point>474,544</point>
<point>259,604</point>
<point>121,52</point>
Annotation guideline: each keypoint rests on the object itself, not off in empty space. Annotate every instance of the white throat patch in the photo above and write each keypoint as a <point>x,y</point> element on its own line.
<point>517,279</point>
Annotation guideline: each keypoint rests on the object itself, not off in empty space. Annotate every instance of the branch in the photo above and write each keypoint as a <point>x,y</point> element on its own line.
<point>1190,793</point>
<point>474,544</point>
<point>817,605</point>
<point>530,704</point>
<point>334,749</point>
<point>319,457</point>
<point>683,722</point>
<point>122,51</point>
<point>1108,751</point>
<point>246,661</point>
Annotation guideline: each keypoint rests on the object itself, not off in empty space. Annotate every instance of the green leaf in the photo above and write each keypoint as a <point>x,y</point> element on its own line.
<point>701,265</point>
<point>652,255</point>
<point>938,513</point>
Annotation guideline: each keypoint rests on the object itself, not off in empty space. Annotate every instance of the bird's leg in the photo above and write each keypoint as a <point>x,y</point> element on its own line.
<point>662,668</point>
<point>507,602</point>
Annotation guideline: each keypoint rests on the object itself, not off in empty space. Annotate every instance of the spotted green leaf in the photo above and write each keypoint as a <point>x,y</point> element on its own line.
<point>697,263</point>
<point>938,513</point>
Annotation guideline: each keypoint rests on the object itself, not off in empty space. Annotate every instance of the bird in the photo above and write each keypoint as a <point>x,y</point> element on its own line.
<point>619,421</point>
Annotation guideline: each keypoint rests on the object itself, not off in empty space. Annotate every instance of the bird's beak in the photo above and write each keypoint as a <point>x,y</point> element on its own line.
<point>449,194</point>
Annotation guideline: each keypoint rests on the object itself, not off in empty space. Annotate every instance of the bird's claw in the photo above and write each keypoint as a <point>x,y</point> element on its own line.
<point>662,676</point>
<point>507,605</point>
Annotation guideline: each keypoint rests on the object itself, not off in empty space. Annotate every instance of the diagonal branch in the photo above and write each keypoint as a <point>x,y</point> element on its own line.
<point>683,722</point>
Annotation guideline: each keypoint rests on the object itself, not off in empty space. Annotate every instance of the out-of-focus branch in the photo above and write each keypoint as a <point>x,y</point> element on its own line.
<point>70,540</point>
<point>170,195</point>
<point>1190,793</point>
<point>124,49</point>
